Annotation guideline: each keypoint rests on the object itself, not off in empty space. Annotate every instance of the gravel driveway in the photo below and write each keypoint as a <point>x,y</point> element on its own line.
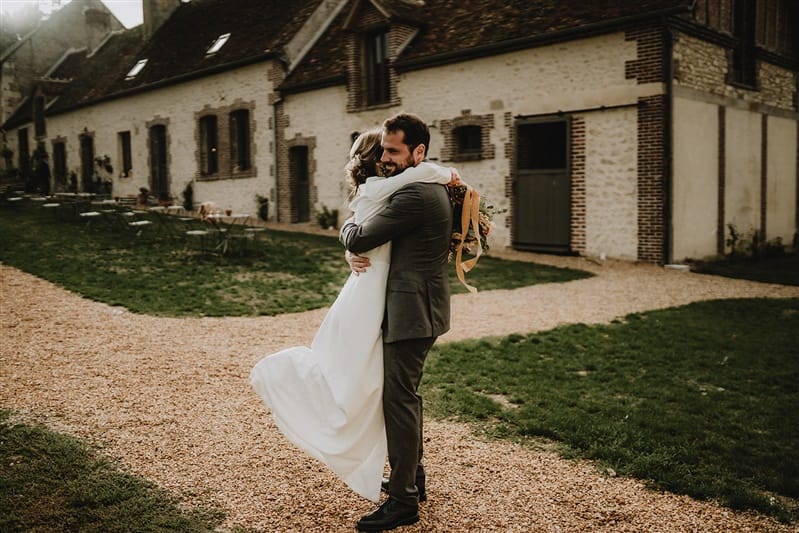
<point>170,400</point>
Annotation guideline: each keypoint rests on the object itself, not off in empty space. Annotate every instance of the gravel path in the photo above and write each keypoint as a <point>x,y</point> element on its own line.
<point>170,400</point>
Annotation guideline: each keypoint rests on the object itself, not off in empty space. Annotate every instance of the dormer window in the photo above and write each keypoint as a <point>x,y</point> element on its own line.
<point>378,81</point>
<point>218,44</point>
<point>132,73</point>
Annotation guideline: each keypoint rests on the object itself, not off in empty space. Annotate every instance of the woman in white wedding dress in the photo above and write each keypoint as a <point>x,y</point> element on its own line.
<point>327,399</point>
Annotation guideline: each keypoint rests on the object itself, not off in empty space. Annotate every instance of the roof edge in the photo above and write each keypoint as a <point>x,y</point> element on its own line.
<point>12,123</point>
<point>520,43</point>
<point>331,81</point>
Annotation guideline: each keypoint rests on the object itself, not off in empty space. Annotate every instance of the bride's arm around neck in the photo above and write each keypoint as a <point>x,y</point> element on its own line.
<point>424,172</point>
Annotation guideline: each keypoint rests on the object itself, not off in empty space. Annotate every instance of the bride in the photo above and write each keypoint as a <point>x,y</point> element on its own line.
<point>327,399</point>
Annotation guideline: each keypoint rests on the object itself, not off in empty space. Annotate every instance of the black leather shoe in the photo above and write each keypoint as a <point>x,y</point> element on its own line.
<point>388,516</point>
<point>420,486</point>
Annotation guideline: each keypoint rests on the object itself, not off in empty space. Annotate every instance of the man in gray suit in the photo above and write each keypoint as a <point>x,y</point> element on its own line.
<point>418,222</point>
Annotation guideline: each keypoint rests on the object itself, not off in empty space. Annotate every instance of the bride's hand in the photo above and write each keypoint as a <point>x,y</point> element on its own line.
<point>456,178</point>
<point>357,263</point>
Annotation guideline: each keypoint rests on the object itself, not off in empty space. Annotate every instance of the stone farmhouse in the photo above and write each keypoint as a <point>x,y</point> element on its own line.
<point>635,129</point>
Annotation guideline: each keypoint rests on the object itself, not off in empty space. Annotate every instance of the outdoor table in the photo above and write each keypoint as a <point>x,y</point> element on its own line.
<point>234,232</point>
<point>89,216</point>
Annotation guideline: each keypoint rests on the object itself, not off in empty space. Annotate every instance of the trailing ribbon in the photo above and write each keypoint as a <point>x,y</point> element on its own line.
<point>469,216</point>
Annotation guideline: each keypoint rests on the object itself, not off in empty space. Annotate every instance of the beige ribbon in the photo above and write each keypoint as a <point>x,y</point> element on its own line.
<point>470,215</point>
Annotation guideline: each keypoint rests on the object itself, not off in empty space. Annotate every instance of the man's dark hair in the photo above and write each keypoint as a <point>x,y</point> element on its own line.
<point>414,128</point>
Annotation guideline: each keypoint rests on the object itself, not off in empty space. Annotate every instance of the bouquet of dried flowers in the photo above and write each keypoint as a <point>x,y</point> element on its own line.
<point>471,224</point>
<point>485,215</point>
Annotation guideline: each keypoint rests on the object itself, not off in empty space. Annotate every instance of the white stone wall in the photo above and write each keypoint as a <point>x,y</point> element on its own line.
<point>700,89</point>
<point>781,175</point>
<point>570,76</point>
<point>742,171</point>
<point>611,191</point>
<point>696,179</point>
<point>177,104</point>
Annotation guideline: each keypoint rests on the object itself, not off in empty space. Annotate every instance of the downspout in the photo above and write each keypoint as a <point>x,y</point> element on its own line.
<point>275,110</point>
<point>668,142</point>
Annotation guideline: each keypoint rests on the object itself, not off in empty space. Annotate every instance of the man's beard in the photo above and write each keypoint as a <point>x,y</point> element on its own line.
<point>392,169</point>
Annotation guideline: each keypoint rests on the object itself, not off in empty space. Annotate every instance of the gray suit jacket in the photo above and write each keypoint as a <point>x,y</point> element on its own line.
<point>418,222</point>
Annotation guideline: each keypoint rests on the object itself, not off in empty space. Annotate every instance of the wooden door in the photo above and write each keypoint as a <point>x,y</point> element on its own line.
<point>542,186</point>
<point>87,163</point>
<point>159,178</point>
<point>298,173</point>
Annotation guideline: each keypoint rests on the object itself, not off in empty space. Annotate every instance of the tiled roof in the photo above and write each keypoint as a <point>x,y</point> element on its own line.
<point>177,50</point>
<point>257,29</point>
<point>454,28</point>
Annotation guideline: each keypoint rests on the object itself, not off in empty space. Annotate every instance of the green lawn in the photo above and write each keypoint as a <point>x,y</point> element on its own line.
<point>701,400</point>
<point>52,482</point>
<point>286,271</point>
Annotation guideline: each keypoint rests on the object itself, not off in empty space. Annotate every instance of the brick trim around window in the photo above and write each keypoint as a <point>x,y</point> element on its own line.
<point>226,168</point>
<point>578,192</point>
<point>286,204</point>
<point>450,150</point>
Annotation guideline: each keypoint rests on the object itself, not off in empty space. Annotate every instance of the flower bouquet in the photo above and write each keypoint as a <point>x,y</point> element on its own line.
<point>471,224</point>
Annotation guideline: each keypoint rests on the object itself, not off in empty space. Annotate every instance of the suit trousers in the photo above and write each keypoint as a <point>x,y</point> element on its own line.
<point>402,410</point>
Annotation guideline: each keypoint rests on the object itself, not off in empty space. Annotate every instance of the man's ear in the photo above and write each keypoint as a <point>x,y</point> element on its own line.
<point>419,153</point>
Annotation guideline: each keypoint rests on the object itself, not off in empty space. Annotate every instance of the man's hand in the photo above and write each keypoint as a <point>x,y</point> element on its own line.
<point>357,263</point>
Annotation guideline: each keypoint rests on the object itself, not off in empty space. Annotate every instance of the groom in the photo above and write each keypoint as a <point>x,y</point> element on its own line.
<point>418,222</point>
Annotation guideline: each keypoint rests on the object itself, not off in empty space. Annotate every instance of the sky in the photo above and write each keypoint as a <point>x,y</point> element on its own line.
<point>129,12</point>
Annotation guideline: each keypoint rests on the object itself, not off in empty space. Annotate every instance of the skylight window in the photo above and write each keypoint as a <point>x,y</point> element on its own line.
<point>219,43</point>
<point>136,69</point>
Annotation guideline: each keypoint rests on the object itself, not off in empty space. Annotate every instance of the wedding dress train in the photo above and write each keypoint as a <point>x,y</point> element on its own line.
<point>327,399</point>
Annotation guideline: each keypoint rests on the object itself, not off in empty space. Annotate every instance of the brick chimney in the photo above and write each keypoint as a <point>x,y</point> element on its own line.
<point>155,13</point>
<point>98,26</point>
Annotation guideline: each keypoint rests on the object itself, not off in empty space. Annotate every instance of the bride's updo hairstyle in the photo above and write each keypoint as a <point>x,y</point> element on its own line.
<point>364,156</point>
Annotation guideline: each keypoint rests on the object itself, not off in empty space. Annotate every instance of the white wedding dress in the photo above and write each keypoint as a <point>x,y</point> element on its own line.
<point>327,399</point>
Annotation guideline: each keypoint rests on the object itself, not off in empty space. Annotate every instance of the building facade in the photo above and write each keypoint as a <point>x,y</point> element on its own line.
<point>642,130</point>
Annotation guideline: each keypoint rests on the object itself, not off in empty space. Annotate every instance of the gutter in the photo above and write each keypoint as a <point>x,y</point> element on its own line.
<point>668,144</point>
<point>275,108</point>
<point>520,43</point>
<point>321,83</point>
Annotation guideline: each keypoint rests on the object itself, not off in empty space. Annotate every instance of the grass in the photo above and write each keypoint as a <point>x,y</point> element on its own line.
<point>286,272</point>
<point>700,400</point>
<point>53,482</point>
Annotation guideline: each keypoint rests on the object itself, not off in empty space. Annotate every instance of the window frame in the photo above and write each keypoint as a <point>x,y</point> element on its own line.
<point>743,62</point>
<point>464,135</point>
<point>39,123</point>
<point>24,148</point>
<point>377,75</point>
<point>125,153</point>
<point>240,150</point>
<point>209,145</point>
<point>217,45</point>
<point>60,161</point>
<point>136,69</point>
